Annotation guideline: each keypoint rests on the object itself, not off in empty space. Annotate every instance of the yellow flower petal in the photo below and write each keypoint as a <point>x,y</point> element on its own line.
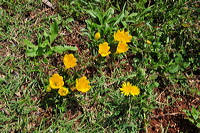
<point>56,81</point>
<point>63,91</point>
<point>69,61</point>
<point>122,47</point>
<point>82,84</point>
<point>97,36</point>
<point>104,49</point>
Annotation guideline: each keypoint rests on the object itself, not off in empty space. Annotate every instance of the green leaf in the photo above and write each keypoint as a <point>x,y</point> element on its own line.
<point>53,31</point>
<point>198,125</point>
<point>174,68</point>
<point>119,18</point>
<point>39,39</point>
<point>54,28</point>
<point>179,59</point>
<point>52,38</point>
<point>61,49</point>
<point>70,48</point>
<point>44,44</point>
<point>91,13</point>
<point>29,44</point>
<point>49,52</point>
<point>132,15</point>
<point>69,20</point>
<point>32,52</point>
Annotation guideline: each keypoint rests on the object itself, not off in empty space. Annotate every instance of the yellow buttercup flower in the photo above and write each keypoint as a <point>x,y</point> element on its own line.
<point>122,36</point>
<point>122,47</point>
<point>82,84</point>
<point>104,49</point>
<point>69,61</point>
<point>128,88</point>
<point>63,91</point>
<point>97,36</point>
<point>56,81</point>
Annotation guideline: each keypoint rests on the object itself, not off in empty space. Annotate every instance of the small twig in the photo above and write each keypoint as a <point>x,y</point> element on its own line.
<point>170,114</point>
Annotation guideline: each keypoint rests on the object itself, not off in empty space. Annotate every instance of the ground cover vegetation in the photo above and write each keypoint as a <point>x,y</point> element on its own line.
<point>99,66</point>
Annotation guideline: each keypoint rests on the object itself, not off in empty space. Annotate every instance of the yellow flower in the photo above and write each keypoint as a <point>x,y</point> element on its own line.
<point>82,84</point>
<point>56,81</point>
<point>122,36</point>
<point>122,47</point>
<point>63,91</point>
<point>48,89</point>
<point>69,61</point>
<point>128,88</point>
<point>97,36</point>
<point>148,42</point>
<point>104,49</point>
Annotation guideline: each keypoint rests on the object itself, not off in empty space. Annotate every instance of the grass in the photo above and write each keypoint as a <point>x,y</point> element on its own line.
<point>167,67</point>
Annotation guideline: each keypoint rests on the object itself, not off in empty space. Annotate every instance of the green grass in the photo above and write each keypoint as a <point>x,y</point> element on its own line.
<point>171,26</point>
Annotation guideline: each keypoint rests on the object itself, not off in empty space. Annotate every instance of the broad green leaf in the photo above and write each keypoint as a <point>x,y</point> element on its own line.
<point>61,49</point>
<point>54,28</point>
<point>174,68</point>
<point>53,31</point>
<point>52,38</point>
<point>70,48</point>
<point>29,44</point>
<point>32,52</point>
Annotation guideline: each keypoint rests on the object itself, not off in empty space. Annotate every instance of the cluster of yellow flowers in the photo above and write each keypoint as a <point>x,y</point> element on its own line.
<point>122,37</point>
<point>82,84</point>
<point>56,81</point>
